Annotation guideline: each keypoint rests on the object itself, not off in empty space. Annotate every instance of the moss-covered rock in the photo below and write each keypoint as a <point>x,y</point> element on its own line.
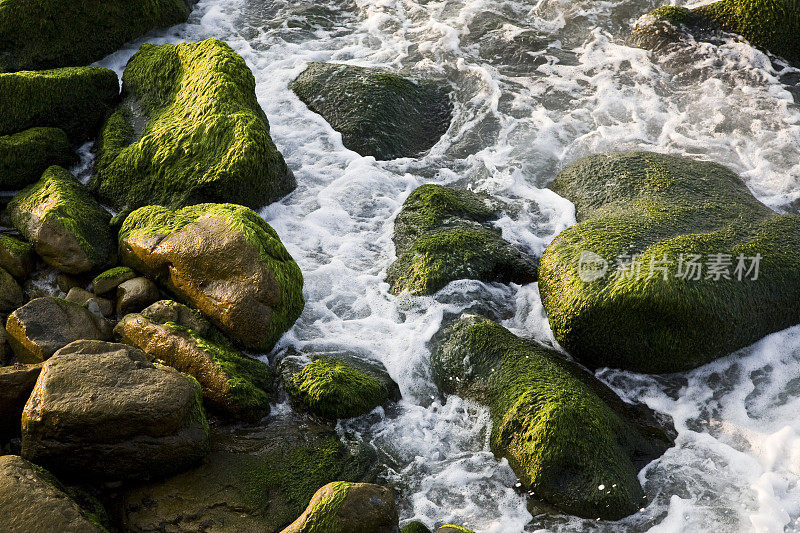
<point>769,24</point>
<point>189,130</point>
<point>222,259</point>
<point>415,527</point>
<point>109,280</point>
<point>571,441</point>
<point>658,206</point>
<point>16,256</point>
<point>11,295</point>
<point>26,155</point>
<point>59,33</point>
<point>257,479</point>
<point>378,113</point>
<point>76,100</point>
<point>232,382</point>
<point>443,234</point>
<point>452,528</point>
<point>342,507</point>
<point>66,225</point>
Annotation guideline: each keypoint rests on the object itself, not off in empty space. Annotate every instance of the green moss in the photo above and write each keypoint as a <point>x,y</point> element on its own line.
<point>190,130</point>
<point>76,100</point>
<point>415,527</point>
<point>59,199</point>
<point>675,14</point>
<point>564,433</point>
<point>16,256</point>
<point>651,205</point>
<point>57,33</point>
<point>334,390</point>
<point>379,114</point>
<point>323,518</point>
<point>113,273</point>
<point>452,528</point>
<point>26,155</point>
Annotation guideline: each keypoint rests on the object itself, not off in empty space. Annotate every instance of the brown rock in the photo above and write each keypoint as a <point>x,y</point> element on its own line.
<point>136,294</point>
<point>16,383</point>
<point>10,292</point>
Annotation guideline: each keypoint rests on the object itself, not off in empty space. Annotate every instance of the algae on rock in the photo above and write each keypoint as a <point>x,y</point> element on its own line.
<point>24,156</point>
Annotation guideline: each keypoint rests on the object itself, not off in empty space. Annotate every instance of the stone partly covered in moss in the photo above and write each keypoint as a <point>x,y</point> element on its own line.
<point>378,113</point>
<point>102,410</point>
<point>222,259</point>
<point>342,507</point>
<point>11,295</point>
<point>16,383</point>
<point>76,32</point>
<point>189,130</point>
<point>669,212</point>
<point>443,234</point>
<point>25,155</point>
<point>256,479</point>
<point>32,499</point>
<point>769,24</point>
<point>76,99</point>
<point>452,528</point>
<point>112,278</point>
<point>415,527</point>
<point>334,390</point>
<point>232,382</point>
<point>571,441</point>
<point>68,228</point>
<point>16,256</point>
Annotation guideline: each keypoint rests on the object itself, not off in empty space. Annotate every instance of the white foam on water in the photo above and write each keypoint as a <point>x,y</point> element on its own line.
<point>520,115</point>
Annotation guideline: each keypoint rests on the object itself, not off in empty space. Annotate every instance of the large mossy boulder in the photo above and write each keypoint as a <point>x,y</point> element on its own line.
<point>378,113</point>
<point>102,410</point>
<point>725,266</point>
<point>76,99</point>
<point>67,227</point>
<point>24,156</point>
<point>773,25</point>
<point>233,383</point>
<point>571,441</point>
<point>222,259</point>
<point>189,130</point>
<point>444,234</point>
<point>16,383</point>
<point>342,507</point>
<point>255,480</point>
<point>60,33</point>
<point>32,499</point>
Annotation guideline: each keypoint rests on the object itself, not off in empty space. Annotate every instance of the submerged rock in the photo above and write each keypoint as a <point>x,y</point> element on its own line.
<point>724,271</point>
<point>77,32</point>
<point>378,113</point>
<point>67,227</point>
<point>16,256</point>
<point>31,499</point>
<point>343,507</point>
<point>26,155</point>
<point>232,382</point>
<point>189,130</point>
<point>222,259</point>
<point>45,325</point>
<point>16,383</point>
<point>257,479</point>
<point>571,441</point>
<point>102,410</point>
<point>443,234</point>
<point>75,99</point>
<point>769,24</point>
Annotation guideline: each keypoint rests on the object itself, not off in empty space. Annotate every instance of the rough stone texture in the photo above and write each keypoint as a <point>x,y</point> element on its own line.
<point>222,259</point>
<point>16,256</point>
<point>136,294</point>
<point>32,500</point>
<point>443,234</point>
<point>11,295</point>
<point>190,130</point>
<point>110,279</point>
<point>76,100</point>
<point>25,155</point>
<point>95,304</point>
<point>16,384</point>
<point>68,228</point>
<point>255,480</point>
<point>44,325</point>
<point>378,113</point>
<point>656,205</point>
<point>102,410</point>
<point>563,431</point>
<point>232,383</point>
<point>342,507</point>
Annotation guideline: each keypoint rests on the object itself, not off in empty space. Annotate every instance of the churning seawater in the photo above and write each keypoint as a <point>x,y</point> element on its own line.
<point>536,85</point>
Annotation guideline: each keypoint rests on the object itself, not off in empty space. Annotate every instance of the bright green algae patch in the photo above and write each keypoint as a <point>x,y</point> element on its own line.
<point>76,100</point>
<point>334,390</point>
<point>66,225</point>
<point>57,33</point>
<point>26,155</point>
<point>651,205</point>
<point>442,234</point>
<point>190,130</point>
<point>571,441</point>
<point>378,113</point>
